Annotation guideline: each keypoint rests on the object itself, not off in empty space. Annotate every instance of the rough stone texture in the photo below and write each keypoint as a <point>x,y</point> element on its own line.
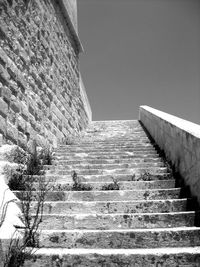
<point>40,95</point>
<point>143,222</point>
<point>121,239</point>
<point>106,207</point>
<point>180,140</point>
<point>173,257</point>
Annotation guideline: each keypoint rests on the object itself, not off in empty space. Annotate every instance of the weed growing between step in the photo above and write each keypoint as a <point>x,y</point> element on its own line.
<point>23,179</point>
<point>112,186</point>
<point>77,185</point>
<point>145,176</point>
<point>72,140</point>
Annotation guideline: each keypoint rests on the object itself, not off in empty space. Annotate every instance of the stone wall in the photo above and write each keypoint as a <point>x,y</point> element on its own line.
<point>40,94</point>
<point>71,6</point>
<point>180,140</point>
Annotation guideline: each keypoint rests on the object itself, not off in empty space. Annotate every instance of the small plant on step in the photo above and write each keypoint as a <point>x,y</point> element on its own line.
<point>145,176</point>
<point>17,155</point>
<point>112,186</point>
<point>77,185</point>
<point>46,156</point>
<point>72,140</point>
<point>133,177</point>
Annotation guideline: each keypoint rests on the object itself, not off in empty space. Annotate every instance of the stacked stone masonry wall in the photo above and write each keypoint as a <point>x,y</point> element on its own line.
<point>39,74</point>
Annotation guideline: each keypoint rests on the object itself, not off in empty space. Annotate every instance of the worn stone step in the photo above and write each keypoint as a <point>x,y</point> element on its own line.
<point>106,145</point>
<point>160,257</point>
<point>108,151</point>
<point>108,166</point>
<point>106,148</point>
<point>108,195</point>
<point>59,178</point>
<point>117,221</point>
<point>106,161</point>
<point>81,156</point>
<point>107,207</point>
<point>131,138</point>
<point>91,171</point>
<point>92,142</point>
<point>129,185</point>
<point>122,238</point>
<point>103,154</point>
<point>137,139</point>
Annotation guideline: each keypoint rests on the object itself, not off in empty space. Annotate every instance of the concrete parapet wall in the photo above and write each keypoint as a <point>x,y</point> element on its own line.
<point>180,140</point>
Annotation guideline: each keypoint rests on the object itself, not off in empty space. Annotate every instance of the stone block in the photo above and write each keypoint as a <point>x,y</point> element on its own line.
<point>37,61</point>
<point>12,133</point>
<point>21,124</point>
<point>3,108</point>
<point>15,105</point>
<point>2,125</point>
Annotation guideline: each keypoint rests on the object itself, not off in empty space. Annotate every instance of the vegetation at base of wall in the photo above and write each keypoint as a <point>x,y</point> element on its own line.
<point>23,179</point>
<point>17,155</point>
<point>112,186</point>
<point>71,140</point>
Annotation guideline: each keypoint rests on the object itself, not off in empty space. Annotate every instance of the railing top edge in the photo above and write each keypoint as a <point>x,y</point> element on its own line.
<point>187,126</point>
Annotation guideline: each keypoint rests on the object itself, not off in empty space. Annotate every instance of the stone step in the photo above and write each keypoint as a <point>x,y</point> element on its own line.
<point>129,185</point>
<point>112,137</point>
<point>106,161</point>
<point>108,151</point>
<point>99,139</point>
<point>122,238</point>
<point>107,207</point>
<point>108,195</point>
<point>103,166</point>
<point>91,171</point>
<point>81,156</point>
<point>117,221</point>
<point>107,145</point>
<point>165,257</point>
<point>59,178</point>
<point>106,148</point>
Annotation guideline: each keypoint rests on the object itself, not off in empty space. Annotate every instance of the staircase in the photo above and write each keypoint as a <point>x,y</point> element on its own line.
<point>146,222</point>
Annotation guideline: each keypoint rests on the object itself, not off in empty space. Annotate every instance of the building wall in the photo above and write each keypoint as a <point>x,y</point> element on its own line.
<point>40,95</point>
<point>71,6</point>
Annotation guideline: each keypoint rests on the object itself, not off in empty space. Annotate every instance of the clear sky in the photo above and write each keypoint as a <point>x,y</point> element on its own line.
<point>141,52</point>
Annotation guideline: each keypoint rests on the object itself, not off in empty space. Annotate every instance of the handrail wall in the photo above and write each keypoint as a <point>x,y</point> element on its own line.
<point>180,141</point>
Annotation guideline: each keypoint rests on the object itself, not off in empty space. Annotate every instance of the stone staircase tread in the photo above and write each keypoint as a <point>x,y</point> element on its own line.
<point>156,184</point>
<point>103,166</point>
<point>147,222</point>
<point>173,229</point>
<point>143,251</point>
<point>105,161</point>
<point>125,182</point>
<point>148,238</point>
<point>90,171</point>
<point>115,191</point>
<point>82,215</point>
<point>112,155</point>
<point>109,194</point>
<point>118,201</point>
<point>117,221</point>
